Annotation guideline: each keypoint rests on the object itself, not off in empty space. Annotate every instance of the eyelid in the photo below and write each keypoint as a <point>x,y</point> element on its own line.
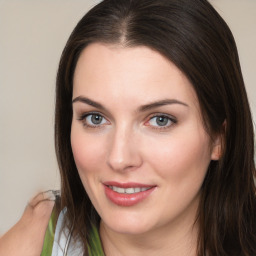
<point>85,114</point>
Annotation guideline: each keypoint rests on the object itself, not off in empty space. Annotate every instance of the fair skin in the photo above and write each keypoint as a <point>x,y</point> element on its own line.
<point>136,119</point>
<point>26,237</point>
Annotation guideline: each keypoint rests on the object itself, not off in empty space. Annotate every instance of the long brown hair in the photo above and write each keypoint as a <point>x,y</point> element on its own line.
<point>192,35</point>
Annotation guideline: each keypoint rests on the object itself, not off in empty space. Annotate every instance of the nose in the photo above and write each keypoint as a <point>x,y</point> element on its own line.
<point>123,153</point>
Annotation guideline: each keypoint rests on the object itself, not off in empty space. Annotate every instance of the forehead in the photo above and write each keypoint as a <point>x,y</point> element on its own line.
<point>109,72</point>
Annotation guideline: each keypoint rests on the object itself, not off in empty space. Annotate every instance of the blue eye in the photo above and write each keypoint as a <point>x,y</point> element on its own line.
<point>161,121</point>
<point>93,120</point>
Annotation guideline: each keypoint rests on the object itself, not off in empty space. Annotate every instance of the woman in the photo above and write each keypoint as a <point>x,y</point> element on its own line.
<point>154,136</point>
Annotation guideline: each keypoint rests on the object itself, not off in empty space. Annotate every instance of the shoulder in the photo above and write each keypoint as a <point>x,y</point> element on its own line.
<point>26,237</point>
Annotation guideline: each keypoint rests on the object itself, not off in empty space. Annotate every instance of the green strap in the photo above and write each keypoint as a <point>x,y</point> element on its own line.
<point>95,243</point>
<point>49,236</point>
<point>95,248</point>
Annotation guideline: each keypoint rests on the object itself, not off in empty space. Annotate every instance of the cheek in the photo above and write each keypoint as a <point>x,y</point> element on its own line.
<point>181,158</point>
<point>87,151</point>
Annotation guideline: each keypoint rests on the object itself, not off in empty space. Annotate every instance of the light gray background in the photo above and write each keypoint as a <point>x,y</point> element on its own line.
<point>32,36</point>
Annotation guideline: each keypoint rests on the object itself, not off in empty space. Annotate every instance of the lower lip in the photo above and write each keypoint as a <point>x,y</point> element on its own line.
<point>127,199</point>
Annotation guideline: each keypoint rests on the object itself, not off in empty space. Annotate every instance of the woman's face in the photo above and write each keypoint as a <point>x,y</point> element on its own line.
<point>138,139</point>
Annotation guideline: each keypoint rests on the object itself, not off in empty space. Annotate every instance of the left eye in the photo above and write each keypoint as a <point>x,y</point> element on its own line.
<point>160,121</point>
<point>95,120</point>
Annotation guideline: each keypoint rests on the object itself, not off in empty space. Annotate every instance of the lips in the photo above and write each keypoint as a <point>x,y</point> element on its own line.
<point>127,194</point>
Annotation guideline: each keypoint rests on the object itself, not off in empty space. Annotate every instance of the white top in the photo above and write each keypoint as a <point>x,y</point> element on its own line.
<point>63,244</point>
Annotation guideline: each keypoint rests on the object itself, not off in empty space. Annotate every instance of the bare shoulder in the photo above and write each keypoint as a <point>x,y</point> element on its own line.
<point>26,237</point>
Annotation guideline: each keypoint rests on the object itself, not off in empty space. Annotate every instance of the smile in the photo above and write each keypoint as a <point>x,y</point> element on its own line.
<point>127,194</point>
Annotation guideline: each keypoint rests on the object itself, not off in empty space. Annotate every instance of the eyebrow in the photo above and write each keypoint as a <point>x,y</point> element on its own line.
<point>161,103</point>
<point>142,108</point>
<point>88,102</point>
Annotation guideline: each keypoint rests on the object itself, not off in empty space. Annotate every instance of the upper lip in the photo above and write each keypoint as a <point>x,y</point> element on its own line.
<point>127,184</point>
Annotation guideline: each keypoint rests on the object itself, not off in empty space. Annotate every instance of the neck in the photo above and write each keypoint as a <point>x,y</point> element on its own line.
<point>179,238</point>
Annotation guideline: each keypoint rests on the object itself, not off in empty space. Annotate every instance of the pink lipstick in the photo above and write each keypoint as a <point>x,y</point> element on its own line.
<point>127,194</point>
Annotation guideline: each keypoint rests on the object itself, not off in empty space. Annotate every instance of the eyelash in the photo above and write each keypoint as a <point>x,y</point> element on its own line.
<point>172,121</point>
<point>83,117</point>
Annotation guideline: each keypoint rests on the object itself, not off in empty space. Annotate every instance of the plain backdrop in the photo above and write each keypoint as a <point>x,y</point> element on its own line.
<point>32,36</point>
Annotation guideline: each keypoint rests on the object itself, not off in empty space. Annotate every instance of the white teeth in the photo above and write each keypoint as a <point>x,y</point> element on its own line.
<point>136,190</point>
<point>119,190</point>
<point>128,190</point>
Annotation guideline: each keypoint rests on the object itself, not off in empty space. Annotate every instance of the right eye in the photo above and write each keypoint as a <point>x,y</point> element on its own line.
<point>93,120</point>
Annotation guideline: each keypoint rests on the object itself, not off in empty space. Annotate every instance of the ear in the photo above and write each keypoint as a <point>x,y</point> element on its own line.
<point>216,149</point>
<point>218,145</point>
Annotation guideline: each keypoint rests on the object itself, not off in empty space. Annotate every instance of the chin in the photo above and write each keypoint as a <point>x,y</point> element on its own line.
<point>132,226</point>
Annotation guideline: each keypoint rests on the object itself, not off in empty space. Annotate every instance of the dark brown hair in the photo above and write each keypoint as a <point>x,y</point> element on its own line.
<point>192,35</point>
